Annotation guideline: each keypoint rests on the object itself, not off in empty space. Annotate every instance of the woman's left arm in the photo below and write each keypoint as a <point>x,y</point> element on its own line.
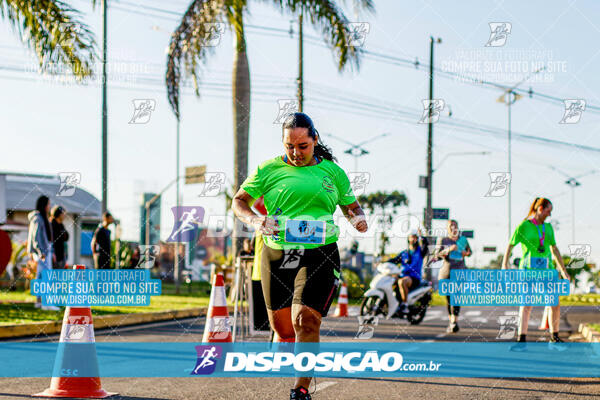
<point>355,214</point>
<point>560,262</point>
<point>467,252</point>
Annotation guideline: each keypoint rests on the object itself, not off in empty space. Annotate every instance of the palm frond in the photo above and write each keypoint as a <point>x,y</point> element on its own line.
<point>190,44</point>
<point>55,32</point>
<point>332,22</point>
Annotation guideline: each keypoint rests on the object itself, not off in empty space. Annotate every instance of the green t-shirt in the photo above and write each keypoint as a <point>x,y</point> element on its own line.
<point>302,193</point>
<point>528,235</point>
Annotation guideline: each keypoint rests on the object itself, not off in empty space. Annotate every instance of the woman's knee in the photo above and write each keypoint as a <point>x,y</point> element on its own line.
<point>281,322</point>
<point>307,321</point>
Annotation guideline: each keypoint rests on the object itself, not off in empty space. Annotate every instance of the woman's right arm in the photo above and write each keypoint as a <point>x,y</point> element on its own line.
<point>241,208</point>
<point>506,259</point>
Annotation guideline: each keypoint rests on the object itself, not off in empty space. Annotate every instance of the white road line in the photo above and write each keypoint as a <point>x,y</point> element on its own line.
<point>440,335</point>
<point>323,385</point>
<point>473,313</point>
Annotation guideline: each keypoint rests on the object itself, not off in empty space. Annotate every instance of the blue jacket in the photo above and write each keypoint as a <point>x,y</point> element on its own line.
<point>412,260</point>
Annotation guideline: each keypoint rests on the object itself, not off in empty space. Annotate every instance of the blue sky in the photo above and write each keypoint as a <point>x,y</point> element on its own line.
<point>54,127</point>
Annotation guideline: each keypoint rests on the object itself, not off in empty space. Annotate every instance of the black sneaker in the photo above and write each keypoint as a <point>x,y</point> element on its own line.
<point>556,343</point>
<point>300,393</point>
<point>519,346</point>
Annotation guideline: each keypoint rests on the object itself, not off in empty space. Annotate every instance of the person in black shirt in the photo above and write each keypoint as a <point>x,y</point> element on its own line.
<point>60,236</point>
<point>101,243</point>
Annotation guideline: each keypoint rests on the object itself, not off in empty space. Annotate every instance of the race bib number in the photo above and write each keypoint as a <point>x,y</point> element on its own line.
<point>538,262</point>
<point>301,231</point>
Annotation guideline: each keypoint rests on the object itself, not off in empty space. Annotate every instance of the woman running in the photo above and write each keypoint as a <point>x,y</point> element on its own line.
<point>300,262</point>
<point>538,245</point>
<point>452,249</point>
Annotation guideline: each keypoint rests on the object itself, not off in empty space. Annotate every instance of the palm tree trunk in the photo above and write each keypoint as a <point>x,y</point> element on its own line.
<point>241,120</point>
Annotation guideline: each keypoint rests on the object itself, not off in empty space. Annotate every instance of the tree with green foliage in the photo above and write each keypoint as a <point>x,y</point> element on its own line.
<point>53,30</point>
<point>385,205</point>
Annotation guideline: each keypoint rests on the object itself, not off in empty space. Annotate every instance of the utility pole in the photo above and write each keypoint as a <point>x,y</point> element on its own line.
<point>178,240</point>
<point>428,208</point>
<point>300,62</point>
<point>104,113</point>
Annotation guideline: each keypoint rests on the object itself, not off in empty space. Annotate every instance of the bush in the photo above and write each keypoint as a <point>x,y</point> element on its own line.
<point>355,287</point>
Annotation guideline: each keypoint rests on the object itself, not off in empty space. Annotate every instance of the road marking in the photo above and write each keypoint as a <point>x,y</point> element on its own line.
<point>433,314</point>
<point>323,385</point>
<point>473,313</point>
<point>511,313</point>
<point>440,335</point>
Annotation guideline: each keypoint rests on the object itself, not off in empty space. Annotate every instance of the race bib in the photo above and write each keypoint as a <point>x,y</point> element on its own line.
<point>301,231</point>
<point>538,262</point>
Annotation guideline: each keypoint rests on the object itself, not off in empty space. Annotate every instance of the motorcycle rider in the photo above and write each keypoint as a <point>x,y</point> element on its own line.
<point>411,261</point>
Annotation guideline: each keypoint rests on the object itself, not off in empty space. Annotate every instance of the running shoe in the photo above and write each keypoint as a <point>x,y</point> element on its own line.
<point>452,328</point>
<point>519,346</point>
<point>300,393</point>
<point>404,308</point>
<point>557,343</point>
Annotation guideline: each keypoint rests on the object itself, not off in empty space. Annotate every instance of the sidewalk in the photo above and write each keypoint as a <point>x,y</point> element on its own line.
<point>100,321</point>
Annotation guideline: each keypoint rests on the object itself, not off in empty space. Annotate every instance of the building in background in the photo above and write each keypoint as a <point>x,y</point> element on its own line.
<point>18,195</point>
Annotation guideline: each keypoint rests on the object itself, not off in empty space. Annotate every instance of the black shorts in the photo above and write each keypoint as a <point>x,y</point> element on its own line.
<point>305,276</point>
<point>414,284</point>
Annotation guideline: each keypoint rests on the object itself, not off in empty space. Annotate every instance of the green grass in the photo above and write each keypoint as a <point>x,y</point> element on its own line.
<point>595,327</point>
<point>13,311</point>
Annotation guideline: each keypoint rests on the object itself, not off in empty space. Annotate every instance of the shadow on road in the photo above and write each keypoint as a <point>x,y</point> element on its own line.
<point>564,381</point>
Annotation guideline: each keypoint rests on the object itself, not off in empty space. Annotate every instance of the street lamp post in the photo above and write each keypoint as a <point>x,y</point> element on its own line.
<point>572,182</point>
<point>356,150</point>
<point>510,97</point>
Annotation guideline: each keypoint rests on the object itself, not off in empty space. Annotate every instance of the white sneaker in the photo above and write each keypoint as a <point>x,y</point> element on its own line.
<point>50,308</point>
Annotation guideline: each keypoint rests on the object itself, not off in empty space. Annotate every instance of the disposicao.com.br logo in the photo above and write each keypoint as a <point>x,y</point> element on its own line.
<point>215,359</point>
<point>323,362</point>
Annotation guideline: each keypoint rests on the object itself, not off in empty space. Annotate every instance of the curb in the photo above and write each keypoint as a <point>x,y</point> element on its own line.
<point>100,322</point>
<point>589,334</point>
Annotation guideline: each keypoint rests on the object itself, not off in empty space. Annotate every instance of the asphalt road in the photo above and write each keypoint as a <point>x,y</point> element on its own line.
<point>478,324</point>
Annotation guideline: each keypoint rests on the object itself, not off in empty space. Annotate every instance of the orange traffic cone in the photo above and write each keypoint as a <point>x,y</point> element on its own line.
<point>342,305</point>
<point>217,328</point>
<point>544,324</point>
<point>77,327</point>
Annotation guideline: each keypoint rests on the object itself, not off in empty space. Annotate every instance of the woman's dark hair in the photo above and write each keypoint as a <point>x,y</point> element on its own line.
<point>539,201</point>
<point>57,211</point>
<point>301,120</point>
<point>40,205</point>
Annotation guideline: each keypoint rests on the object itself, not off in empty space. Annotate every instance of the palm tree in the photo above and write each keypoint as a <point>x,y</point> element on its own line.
<point>54,31</point>
<point>188,47</point>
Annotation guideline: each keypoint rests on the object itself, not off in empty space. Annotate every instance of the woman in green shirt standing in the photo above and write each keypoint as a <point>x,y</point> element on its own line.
<point>300,262</point>
<point>538,245</point>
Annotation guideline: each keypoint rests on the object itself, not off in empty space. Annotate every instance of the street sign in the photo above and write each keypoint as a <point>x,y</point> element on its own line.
<point>439,213</point>
<point>423,181</point>
<point>468,234</point>
<point>489,249</point>
<point>201,252</point>
<point>195,174</point>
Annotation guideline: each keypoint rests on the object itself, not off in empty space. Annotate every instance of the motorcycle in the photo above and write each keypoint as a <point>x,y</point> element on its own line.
<point>383,296</point>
